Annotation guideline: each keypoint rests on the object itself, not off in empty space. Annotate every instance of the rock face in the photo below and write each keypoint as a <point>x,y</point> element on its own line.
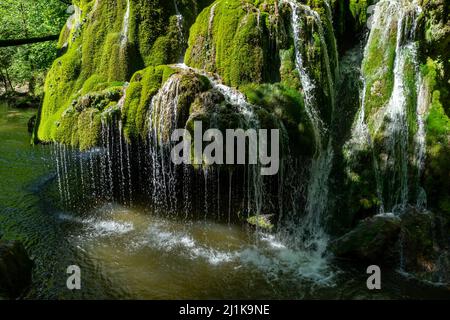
<point>15,269</point>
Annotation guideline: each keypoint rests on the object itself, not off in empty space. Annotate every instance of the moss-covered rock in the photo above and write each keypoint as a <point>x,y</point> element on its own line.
<point>143,86</point>
<point>236,39</point>
<point>437,172</point>
<point>106,42</point>
<point>286,104</point>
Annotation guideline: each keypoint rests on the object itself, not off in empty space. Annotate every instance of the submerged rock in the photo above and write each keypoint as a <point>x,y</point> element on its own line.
<point>15,269</point>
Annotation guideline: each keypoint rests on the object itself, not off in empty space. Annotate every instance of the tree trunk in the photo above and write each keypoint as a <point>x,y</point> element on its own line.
<point>9,79</point>
<point>19,42</point>
<point>3,78</point>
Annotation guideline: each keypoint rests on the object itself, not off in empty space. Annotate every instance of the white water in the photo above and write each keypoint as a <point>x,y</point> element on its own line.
<point>420,140</point>
<point>114,232</point>
<point>125,25</point>
<point>162,121</point>
<point>180,26</point>
<point>391,119</point>
<point>311,233</point>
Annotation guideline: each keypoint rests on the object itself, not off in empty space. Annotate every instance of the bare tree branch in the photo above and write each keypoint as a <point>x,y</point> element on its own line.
<point>20,42</point>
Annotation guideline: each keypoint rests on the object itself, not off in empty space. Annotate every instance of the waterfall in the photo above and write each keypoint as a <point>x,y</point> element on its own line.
<point>250,120</point>
<point>108,170</point>
<point>162,121</point>
<point>311,233</point>
<point>58,171</point>
<point>180,26</point>
<point>420,141</point>
<point>210,51</point>
<point>120,155</point>
<point>74,21</point>
<point>125,25</point>
<point>391,121</point>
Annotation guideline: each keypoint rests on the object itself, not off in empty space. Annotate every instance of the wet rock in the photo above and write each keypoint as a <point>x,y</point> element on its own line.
<point>423,245</point>
<point>371,240</point>
<point>415,242</point>
<point>15,269</point>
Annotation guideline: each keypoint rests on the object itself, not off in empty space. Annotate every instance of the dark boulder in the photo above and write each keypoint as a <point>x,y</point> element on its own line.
<point>415,241</point>
<point>15,269</point>
<point>371,240</point>
<point>424,246</point>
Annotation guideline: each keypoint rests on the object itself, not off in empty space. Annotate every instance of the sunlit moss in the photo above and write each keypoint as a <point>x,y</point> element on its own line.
<point>233,39</point>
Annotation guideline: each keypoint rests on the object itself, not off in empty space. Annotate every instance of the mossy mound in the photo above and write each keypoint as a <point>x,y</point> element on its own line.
<point>80,125</point>
<point>108,41</point>
<point>287,105</point>
<point>143,86</point>
<point>236,39</point>
<point>316,46</point>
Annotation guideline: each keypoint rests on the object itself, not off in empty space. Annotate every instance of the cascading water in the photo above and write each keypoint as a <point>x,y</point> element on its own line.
<point>420,141</point>
<point>311,233</point>
<point>125,25</point>
<point>255,183</point>
<point>106,172</point>
<point>391,121</point>
<point>162,121</point>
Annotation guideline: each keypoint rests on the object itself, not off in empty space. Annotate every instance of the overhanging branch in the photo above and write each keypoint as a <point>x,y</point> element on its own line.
<point>20,42</point>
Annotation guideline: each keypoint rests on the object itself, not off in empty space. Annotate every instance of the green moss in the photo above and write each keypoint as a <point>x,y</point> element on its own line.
<point>288,70</point>
<point>261,222</point>
<point>410,80</point>
<point>98,57</point>
<point>233,38</point>
<point>286,104</point>
<point>58,87</point>
<point>437,182</point>
<point>358,8</point>
<point>143,86</point>
<point>378,69</point>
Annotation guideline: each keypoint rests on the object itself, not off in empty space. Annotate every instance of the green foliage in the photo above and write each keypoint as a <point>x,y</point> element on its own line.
<point>26,19</point>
